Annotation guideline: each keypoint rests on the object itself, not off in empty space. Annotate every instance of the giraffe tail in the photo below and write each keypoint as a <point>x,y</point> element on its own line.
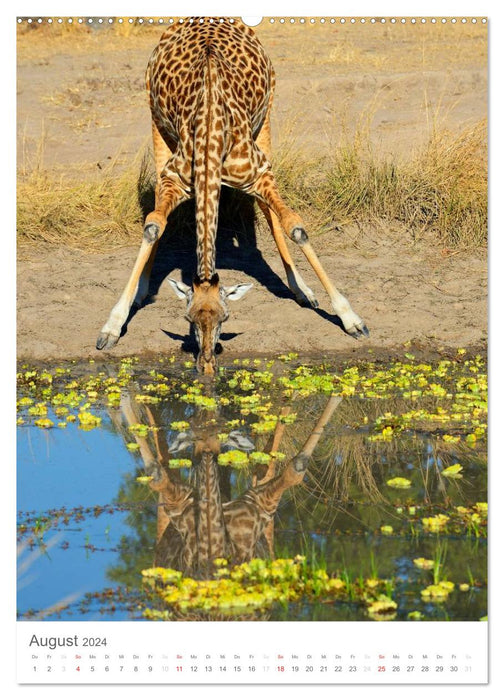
<point>208,157</point>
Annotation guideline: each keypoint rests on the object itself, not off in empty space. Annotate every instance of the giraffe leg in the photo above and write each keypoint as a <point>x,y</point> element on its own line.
<point>297,285</point>
<point>144,281</point>
<point>302,457</point>
<point>171,194</point>
<point>162,155</point>
<point>266,189</point>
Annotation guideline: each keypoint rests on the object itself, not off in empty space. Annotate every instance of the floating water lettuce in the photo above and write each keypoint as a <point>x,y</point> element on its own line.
<point>415,615</point>
<point>40,409</point>
<point>139,429</point>
<point>258,585</point>
<point>453,472</point>
<point>438,591</point>
<point>147,398</point>
<point>399,482</point>
<point>422,563</point>
<point>44,423</point>
<point>382,609</point>
<point>267,425</point>
<point>179,425</point>
<point>179,463</point>
<point>260,457</point>
<point>88,421</point>
<point>233,458</point>
<point>435,523</point>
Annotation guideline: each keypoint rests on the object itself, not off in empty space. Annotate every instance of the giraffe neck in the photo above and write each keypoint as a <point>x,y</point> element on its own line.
<point>210,529</point>
<point>208,155</point>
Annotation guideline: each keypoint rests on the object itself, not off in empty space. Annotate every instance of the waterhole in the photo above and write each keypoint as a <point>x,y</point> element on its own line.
<point>283,490</point>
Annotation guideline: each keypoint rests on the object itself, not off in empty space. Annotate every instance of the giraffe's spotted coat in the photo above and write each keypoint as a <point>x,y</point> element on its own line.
<point>210,87</point>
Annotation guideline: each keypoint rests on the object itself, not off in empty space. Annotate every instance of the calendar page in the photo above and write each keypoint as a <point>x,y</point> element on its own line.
<point>252,350</point>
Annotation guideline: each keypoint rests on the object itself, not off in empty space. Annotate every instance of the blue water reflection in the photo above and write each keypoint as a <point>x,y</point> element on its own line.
<point>87,525</point>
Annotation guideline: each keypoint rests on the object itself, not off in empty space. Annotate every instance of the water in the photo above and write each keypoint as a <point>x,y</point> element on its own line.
<point>90,521</point>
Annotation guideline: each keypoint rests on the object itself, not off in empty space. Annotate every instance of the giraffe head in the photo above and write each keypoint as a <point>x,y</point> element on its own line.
<point>207,310</point>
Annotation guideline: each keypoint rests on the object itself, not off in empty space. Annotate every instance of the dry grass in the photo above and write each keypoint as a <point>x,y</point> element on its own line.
<point>441,189</point>
<point>398,48</point>
<point>41,41</point>
<point>87,214</point>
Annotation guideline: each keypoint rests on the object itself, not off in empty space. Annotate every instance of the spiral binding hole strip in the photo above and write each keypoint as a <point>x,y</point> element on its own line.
<point>150,21</point>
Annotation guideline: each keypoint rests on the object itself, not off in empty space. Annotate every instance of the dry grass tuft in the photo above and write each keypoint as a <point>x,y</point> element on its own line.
<point>95,214</point>
<point>442,189</point>
<point>45,40</point>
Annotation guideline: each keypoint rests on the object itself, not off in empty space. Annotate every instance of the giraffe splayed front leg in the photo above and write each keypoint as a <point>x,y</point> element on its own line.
<point>169,195</point>
<point>297,285</point>
<point>266,189</point>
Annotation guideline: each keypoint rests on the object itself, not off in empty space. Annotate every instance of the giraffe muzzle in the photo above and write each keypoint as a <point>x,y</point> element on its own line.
<point>206,364</point>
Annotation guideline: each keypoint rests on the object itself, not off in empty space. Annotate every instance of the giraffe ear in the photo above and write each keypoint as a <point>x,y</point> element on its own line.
<point>235,440</point>
<point>180,289</point>
<point>237,291</point>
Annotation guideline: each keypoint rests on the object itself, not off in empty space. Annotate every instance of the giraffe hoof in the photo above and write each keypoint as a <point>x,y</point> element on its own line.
<point>106,341</point>
<point>358,331</point>
<point>154,470</point>
<point>300,463</point>
<point>307,301</point>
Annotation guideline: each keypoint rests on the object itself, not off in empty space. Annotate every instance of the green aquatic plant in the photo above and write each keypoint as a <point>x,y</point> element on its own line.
<point>438,592</point>
<point>435,413</point>
<point>144,479</point>
<point>436,523</point>
<point>399,482</point>
<point>382,609</point>
<point>453,392</point>
<point>260,457</point>
<point>453,471</point>
<point>422,563</point>
<point>416,615</point>
<point>44,423</point>
<point>179,425</point>
<point>88,420</point>
<point>179,463</point>
<point>258,585</point>
<point>234,458</point>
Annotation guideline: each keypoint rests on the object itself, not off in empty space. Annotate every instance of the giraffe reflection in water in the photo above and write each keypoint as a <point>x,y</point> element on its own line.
<point>198,521</point>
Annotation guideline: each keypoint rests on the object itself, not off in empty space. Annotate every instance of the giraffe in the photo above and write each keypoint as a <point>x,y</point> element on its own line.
<point>195,526</point>
<point>210,86</point>
<point>196,523</point>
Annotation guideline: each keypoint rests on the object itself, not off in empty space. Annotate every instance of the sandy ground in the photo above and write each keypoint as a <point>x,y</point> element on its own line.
<point>84,100</point>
